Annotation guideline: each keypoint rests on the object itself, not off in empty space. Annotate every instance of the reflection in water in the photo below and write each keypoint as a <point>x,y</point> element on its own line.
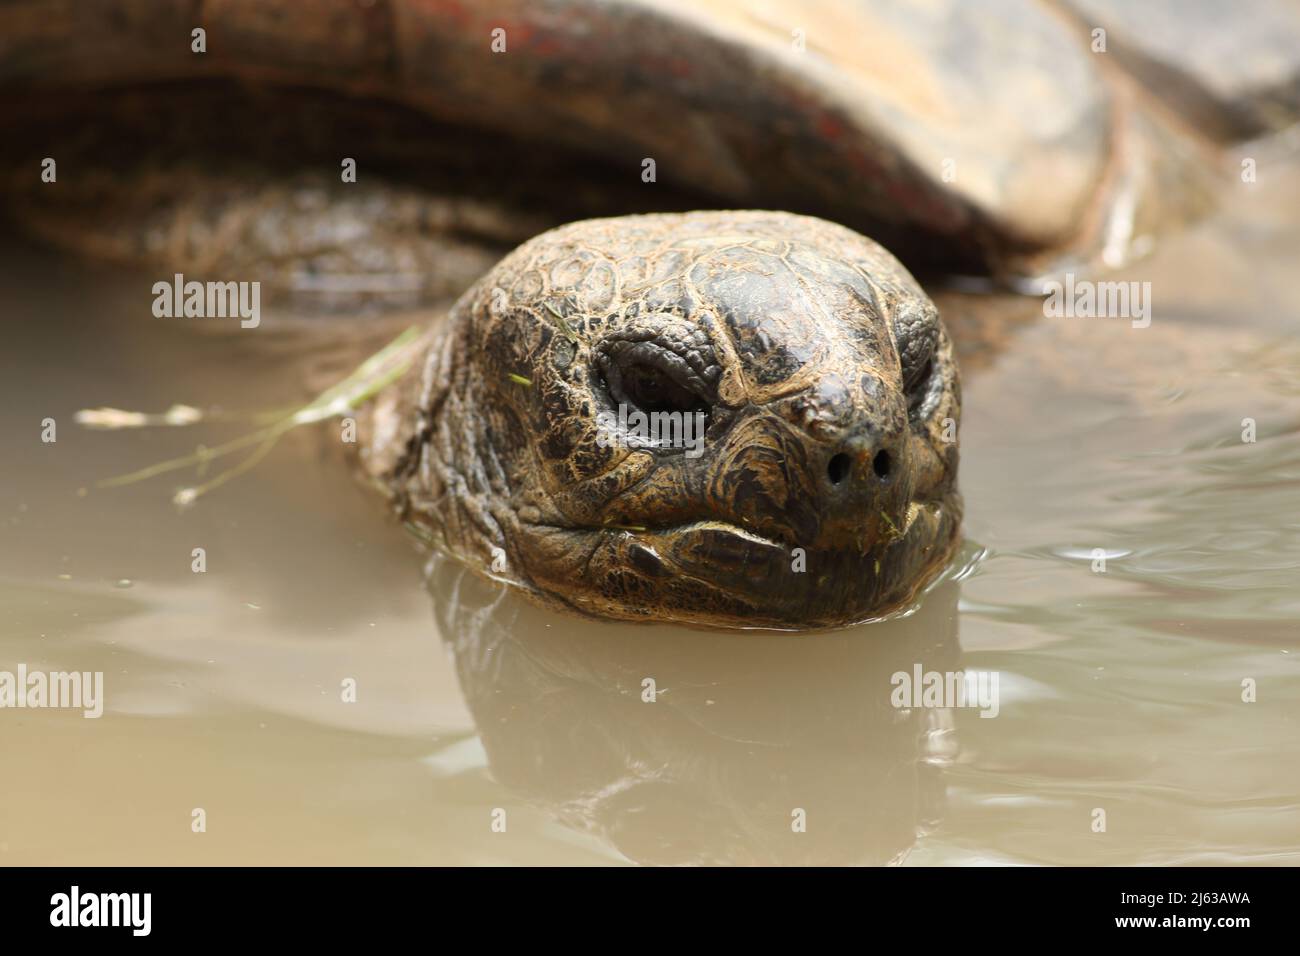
<point>744,730</point>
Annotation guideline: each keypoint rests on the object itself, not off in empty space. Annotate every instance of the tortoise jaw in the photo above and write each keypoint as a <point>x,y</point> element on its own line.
<point>713,573</point>
<point>717,552</point>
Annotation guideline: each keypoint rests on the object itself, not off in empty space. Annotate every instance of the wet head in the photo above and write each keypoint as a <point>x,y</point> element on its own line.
<point>738,419</point>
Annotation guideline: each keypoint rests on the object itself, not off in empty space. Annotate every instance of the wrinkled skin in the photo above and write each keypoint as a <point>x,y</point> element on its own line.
<point>825,493</point>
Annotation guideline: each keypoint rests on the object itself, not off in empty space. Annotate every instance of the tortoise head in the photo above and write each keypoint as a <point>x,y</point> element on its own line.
<point>741,419</point>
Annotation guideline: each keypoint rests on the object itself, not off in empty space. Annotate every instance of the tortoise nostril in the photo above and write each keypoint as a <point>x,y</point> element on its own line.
<point>881,464</point>
<point>838,469</point>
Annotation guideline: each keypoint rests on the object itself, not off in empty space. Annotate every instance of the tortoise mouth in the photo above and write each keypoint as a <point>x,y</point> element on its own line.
<point>711,572</point>
<point>753,543</point>
<point>701,526</point>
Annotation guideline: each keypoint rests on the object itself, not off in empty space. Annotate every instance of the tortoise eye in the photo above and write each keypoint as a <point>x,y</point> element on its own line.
<point>916,335</point>
<point>919,388</point>
<point>652,376</point>
<point>652,389</point>
<point>917,376</point>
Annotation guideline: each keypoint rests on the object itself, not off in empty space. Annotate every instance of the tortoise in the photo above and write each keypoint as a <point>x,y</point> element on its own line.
<point>987,149</point>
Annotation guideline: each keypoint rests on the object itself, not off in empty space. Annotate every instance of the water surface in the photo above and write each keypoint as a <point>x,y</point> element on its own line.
<point>1119,690</point>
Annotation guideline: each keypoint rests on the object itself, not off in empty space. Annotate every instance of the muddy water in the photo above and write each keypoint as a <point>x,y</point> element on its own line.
<point>1120,690</point>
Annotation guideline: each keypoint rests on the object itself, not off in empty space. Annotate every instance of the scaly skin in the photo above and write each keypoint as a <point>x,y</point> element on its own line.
<point>826,491</point>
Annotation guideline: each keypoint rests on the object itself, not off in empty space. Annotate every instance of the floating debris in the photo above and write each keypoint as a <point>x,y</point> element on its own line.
<point>113,418</point>
<point>374,374</point>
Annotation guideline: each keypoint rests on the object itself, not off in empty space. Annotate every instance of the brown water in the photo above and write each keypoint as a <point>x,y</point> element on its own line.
<point>1119,690</point>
